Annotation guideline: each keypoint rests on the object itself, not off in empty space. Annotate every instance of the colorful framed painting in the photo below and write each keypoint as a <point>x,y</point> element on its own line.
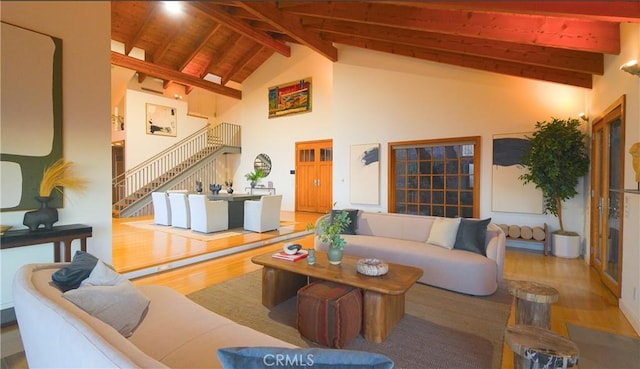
<point>290,98</point>
<point>31,121</point>
<point>161,120</point>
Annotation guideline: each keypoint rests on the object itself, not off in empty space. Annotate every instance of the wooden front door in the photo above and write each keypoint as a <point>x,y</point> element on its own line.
<point>314,176</point>
<point>607,209</point>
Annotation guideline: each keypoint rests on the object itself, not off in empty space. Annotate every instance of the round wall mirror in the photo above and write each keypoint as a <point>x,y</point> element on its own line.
<point>263,162</point>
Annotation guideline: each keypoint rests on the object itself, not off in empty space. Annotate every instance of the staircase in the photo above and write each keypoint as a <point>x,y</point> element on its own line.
<point>173,167</point>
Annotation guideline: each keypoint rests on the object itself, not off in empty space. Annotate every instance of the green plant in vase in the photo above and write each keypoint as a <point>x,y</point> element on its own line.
<point>254,177</point>
<point>330,233</point>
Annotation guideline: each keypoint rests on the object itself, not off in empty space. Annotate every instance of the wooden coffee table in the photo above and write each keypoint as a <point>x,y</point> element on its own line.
<point>383,296</point>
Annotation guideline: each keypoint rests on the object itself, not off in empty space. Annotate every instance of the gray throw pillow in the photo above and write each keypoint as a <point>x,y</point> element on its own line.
<point>110,297</point>
<point>70,276</point>
<point>352,214</point>
<point>299,358</point>
<point>472,235</point>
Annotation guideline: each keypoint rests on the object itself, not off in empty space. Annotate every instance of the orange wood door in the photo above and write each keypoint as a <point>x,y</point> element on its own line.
<point>314,176</point>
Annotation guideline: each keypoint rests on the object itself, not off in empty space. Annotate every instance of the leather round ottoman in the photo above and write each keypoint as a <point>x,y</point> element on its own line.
<point>329,313</point>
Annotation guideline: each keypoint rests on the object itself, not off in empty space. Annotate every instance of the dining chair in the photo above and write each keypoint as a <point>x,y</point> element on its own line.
<point>180,215</point>
<point>161,208</point>
<point>264,214</point>
<point>208,216</point>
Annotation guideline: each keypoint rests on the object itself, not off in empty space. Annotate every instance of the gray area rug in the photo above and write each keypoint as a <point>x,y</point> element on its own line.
<point>441,329</point>
<point>603,350</point>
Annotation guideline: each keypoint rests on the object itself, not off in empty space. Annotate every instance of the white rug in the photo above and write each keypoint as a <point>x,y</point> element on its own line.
<point>188,233</point>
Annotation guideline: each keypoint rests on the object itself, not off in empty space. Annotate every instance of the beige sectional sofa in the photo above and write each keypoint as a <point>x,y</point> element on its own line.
<point>402,239</point>
<point>175,331</point>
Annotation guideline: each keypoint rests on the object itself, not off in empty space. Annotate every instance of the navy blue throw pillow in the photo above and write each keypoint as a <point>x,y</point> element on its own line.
<point>472,235</point>
<point>300,358</point>
<point>353,215</point>
<point>70,277</point>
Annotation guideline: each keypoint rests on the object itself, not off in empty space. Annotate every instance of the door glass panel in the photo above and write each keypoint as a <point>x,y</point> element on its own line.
<point>615,202</point>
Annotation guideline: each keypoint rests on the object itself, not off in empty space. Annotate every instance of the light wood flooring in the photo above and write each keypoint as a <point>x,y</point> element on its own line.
<point>584,301</point>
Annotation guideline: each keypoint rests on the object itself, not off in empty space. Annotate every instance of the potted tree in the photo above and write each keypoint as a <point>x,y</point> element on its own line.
<point>254,177</point>
<point>555,161</point>
<point>330,233</point>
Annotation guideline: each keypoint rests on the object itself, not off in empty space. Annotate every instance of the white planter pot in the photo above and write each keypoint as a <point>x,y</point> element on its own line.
<point>566,246</point>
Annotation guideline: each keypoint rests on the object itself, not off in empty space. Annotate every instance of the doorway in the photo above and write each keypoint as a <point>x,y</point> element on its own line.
<point>607,179</point>
<point>314,176</point>
<point>117,169</point>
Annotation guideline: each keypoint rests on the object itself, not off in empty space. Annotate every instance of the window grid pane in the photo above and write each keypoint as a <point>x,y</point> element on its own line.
<point>434,179</point>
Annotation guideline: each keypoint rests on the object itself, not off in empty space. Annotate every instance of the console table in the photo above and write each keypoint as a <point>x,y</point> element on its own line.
<point>64,233</point>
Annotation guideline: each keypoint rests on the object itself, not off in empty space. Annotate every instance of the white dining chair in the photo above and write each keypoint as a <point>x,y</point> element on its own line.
<point>208,216</point>
<point>161,208</point>
<point>180,215</point>
<point>262,215</point>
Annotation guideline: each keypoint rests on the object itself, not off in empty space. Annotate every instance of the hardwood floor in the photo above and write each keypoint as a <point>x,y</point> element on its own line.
<point>584,301</point>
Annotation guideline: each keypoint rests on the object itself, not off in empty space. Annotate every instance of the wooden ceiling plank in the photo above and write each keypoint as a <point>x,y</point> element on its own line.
<point>203,42</point>
<point>223,17</point>
<point>131,43</point>
<point>170,74</point>
<point>575,34</point>
<point>579,61</point>
<point>237,66</point>
<point>610,11</point>
<point>490,65</point>
<point>290,25</point>
<point>166,43</point>
<point>220,54</point>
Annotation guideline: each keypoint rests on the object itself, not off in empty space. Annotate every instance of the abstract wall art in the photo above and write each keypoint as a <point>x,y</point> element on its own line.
<point>365,174</point>
<point>31,114</point>
<point>161,120</point>
<point>509,194</point>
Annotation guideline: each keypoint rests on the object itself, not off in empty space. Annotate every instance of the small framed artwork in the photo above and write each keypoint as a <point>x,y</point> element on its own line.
<point>290,98</point>
<point>161,120</point>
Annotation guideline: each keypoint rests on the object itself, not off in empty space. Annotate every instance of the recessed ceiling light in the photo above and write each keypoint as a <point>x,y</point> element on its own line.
<point>173,7</point>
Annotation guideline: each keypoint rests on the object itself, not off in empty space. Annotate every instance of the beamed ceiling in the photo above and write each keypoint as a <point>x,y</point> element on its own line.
<point>563,42</point>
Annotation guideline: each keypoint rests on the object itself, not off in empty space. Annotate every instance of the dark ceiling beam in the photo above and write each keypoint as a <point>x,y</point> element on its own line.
<point>215,13</point>
<point>577,61</point>
<point>172,75</point>
<point>575,34</point>
<point>290,25</point>
<point>474,62</point>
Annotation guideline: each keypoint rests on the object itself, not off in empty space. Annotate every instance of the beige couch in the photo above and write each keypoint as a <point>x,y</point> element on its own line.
<point>402,239</point>
<point>175,332</point>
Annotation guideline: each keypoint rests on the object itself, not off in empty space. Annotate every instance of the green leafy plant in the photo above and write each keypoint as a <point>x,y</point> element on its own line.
<point>555,161</point>
<point>330,230</point>
<point>255,176</point>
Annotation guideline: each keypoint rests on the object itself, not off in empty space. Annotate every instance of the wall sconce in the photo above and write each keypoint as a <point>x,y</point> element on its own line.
<point>631,67</point>
<point>177,97</point>
<point>583,116</point>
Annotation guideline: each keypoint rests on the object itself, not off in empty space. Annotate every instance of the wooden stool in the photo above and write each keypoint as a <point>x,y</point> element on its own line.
<point>538,348</point>
<point>533,302</point>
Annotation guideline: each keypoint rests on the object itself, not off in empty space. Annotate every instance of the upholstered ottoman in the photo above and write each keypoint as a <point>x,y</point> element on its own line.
<point>329,313</point>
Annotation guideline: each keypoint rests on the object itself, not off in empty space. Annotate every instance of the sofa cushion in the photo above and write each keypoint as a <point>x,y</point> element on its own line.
<point>111,298</point>
<point>443,232</point>
<point>278,357</point>
<point>472,235</point>
<point>70,276</point>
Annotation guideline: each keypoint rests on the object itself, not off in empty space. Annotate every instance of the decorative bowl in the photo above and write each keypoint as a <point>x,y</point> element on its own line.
<point>372,267</point>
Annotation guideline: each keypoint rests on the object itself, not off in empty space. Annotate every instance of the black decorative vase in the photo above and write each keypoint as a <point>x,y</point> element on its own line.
<point>45,215</point>
<point>229,190</point>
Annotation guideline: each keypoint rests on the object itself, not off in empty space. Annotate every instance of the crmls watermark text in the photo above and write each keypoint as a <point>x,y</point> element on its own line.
<point>276,360</point>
